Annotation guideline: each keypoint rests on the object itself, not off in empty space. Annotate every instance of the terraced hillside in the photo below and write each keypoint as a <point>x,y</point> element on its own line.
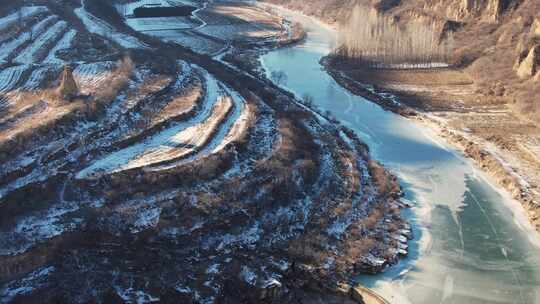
<point>172,175</point>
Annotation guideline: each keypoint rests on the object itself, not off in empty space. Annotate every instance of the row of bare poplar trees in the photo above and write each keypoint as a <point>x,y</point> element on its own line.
<point>373,39</point>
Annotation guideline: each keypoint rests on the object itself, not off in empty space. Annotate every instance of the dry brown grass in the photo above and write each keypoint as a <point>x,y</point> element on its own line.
<point>117,82</point>
<point>181,104</point>
<point>357,249</point>
<point>443,76</point>
<point>55,108</point>
<point>526,103</point>
<point>58,112</point>
<point>382,179</point>
<point>309,249</point>
<point>370,222</point>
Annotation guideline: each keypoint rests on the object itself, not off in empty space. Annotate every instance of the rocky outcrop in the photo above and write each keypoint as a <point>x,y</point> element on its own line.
<point>535,28</point>
<point>68,87</point>
<point>489,9</point>
<point>521,52</point>
<point>530,65</point>
<point>465,10</point>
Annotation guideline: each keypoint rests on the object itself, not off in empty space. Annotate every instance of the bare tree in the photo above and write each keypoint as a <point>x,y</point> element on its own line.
<point>308,100</point>
<point>279,77</point>
<point>376,40</point>
<point>20,20</point>
<point>30,33</point>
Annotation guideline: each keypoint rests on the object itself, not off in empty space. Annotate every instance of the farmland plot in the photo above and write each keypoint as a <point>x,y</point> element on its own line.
<point>24,13</point>
<point>9,77</point>
<point>197,43</point>
<point>62,44</point>
<point>8,48</point>
<point>160,23</point>
<point>101,28</point>
<point>31,54</point>
<point>91,76</point>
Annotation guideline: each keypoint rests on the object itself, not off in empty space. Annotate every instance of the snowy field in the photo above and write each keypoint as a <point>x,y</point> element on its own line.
<point>197,43</point>
<point>30,54</point>
<point>39,75</point>
<point>102,28</point>
<point>128,8</point>
<point>180,135</point>
<point>63,44</point>
<point>237,31</point>
<point>211,28</point>
<point>160,23</point>
<point>8,48</point>
<point>91,76</point>
<point>9,77</point>
<point>25,12</point>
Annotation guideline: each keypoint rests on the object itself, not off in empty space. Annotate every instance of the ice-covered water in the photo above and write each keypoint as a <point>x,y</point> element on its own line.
<point>472,243</point>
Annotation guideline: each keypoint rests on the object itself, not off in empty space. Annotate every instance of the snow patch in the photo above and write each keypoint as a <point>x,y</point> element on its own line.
<point>91,76</point>
<point>248,275</point>
<point>26,285</point>
<point>30,53</point>
<point>213,269</point>
<point>9,77</point>
<point>146,219</point>
<point>247,238</point>
<point>131,295</point>
<point>39,75</point>
<point>196,43</point>
<point>34,229</point>
<point>9,47</point>
<point>160,23</point>
<point>25,12</point>
<point>64,43</point>
<point>159,146</point>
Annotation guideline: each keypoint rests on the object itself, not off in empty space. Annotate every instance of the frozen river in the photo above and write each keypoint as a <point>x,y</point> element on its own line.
<point>472,243</point>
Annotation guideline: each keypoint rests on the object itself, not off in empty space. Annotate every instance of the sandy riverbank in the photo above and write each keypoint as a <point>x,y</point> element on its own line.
<point>445,100</point>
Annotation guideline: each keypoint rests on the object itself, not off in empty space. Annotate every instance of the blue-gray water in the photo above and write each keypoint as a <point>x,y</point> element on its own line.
<point>470,246</point>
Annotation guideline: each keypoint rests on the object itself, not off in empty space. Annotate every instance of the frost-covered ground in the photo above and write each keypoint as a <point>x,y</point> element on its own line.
<point>64,43</point>
<point>102,28</point>
<point>210,29</point>
<point>29,54</point>
<point>32,281</point>
<point>126,9</point>
<point>195,42</point>
<point>160,23</point>
<point>173,175</point>
<point>206,131</point>
<point>9,47</point>
<point>24,13</point>
<point>9,77</point>
<point>38,76</point>
<point>91,76</point>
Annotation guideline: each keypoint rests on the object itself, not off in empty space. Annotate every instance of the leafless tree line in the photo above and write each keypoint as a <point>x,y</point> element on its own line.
<point>378,41</point>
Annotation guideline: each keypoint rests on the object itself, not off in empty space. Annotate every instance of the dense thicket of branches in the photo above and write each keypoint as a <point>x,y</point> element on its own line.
<point>374,39</point>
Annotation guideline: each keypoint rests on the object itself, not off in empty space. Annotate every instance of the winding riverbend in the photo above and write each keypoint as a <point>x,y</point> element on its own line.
<point>472,244</point>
